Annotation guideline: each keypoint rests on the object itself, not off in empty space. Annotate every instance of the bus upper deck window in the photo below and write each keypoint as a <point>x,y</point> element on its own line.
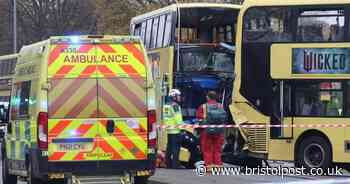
<point>321,25</point>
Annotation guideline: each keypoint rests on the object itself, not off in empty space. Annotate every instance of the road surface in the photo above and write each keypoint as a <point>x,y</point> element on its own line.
<point>185,176</point>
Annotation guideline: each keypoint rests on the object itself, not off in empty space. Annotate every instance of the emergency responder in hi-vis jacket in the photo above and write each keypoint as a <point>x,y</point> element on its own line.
<point>173,117</point>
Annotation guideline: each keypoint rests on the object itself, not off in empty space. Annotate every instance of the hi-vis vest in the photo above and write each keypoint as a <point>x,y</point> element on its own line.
<point>172,117</point>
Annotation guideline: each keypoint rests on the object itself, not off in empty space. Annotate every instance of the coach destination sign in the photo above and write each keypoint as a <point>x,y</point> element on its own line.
<point>321,61</point>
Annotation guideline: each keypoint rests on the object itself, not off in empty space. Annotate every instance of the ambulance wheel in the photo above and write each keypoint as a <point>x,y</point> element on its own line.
<point>141,179</point>
<point>314,152</point>
<point>31,179</point>
<point>6,177</point>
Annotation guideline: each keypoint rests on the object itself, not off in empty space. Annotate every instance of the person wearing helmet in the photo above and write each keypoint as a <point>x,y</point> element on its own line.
<point>172,118</point>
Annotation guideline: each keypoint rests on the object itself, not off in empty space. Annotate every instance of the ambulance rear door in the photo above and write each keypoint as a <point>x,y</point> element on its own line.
<point>73,129</point>
<point>122,101</point>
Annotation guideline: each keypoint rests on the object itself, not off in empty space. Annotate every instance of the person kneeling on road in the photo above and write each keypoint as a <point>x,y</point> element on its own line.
<point>173,117</point>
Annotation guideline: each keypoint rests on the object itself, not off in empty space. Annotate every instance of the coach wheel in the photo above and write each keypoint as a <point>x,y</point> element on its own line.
<point>314,152</point>
<point>6,177</point>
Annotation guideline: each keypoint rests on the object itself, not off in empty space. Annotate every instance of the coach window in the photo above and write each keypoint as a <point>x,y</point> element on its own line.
<point>168,28</point>
<point>161,29</point>
<point>148,33</point>
<point>319,99</point>
<point>154,32</point>
<point>321,25</point>
<point>137,30</point>
<point>143,31</point>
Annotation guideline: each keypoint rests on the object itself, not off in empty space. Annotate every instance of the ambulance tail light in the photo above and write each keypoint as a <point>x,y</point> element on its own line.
<point>42,130</point>
<point>152,129</point>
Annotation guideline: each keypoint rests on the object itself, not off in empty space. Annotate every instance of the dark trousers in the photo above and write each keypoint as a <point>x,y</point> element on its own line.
<point>173,150</point>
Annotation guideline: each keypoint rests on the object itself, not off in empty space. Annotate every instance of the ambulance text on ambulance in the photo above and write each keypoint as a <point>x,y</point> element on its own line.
<point>96,59</point>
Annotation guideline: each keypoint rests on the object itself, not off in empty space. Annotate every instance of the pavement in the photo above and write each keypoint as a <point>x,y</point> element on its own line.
<point>167,176</point>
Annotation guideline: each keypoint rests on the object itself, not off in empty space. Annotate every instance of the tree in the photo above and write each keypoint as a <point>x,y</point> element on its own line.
<point>39,19</point>
<point>5,37</point>
<point>114,16</point>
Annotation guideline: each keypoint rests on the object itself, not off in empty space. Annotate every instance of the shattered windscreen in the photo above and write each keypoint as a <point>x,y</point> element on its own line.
<point>199,60</point>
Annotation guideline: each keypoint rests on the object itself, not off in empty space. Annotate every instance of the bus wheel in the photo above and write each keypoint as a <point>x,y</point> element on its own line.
<point>348,168</point>
<point>6,177</point>
<point>314,152</point>
<point>141,179</point>
<point>251,162</point>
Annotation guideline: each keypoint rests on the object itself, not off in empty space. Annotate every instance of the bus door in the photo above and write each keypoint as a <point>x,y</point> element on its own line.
<point>281,119</point>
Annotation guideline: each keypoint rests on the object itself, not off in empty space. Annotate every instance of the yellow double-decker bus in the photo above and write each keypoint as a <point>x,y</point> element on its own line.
<point>191,48</point>
<point>293,69</point>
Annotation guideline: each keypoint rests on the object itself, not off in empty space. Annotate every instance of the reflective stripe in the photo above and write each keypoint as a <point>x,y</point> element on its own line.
<point>128,142</point>
<point>22,151</point>
<point>138,140</point>
<point>19,140</point>
<point>74,98</point>
<point>122,97</point>
<point>18,131</point>
<point>172,118</point>
<point>13,149</point>
<point>27,131</point>
<point>18,150</point>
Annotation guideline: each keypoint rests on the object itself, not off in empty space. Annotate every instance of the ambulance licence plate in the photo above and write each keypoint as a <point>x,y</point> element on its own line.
<point>73,144</point>
<point>64,147</point>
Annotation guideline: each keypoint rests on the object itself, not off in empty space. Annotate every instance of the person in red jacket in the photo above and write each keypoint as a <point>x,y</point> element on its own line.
<point>211,145</point>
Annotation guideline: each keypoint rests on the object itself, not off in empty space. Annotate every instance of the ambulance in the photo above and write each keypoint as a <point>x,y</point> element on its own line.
<point>81,106</point>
